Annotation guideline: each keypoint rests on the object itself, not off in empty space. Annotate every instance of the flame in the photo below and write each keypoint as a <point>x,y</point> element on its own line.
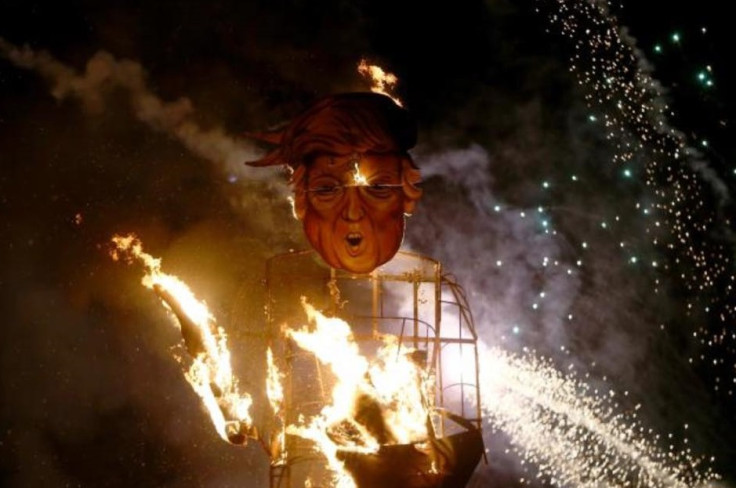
<point>381,81</point>
<point>395,383</point>
<point>359,179</point>
<point>275,393</point>
<point>274,389</point>
<point>210,374</point>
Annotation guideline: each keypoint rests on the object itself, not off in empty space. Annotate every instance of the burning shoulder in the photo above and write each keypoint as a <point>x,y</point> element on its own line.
<point>209,371</point>
<point>368,389</point>
<point>359,394</point>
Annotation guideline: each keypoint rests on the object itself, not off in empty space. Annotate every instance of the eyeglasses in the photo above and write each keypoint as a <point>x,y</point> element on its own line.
<point>333,187</point>
<point>335,192</point>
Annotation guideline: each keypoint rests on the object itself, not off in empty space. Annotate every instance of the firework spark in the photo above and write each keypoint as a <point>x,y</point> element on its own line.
<point>574,436</point>
<point>686,192</point>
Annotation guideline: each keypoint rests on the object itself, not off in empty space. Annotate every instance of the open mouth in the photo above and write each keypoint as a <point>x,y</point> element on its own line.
<point>354,239</point>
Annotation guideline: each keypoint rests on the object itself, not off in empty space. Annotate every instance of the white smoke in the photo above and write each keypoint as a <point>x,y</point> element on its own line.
<point>516,276</point>
<point>527,293</point>
<point>505,262</point>
<point>694,158</point>
<point>104,72</point>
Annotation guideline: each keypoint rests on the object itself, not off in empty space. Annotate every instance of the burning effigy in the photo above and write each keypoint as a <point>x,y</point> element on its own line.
<point>380,387</point>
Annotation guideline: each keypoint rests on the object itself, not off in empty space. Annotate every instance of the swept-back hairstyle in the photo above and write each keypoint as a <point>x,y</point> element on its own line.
<point>343,124</point>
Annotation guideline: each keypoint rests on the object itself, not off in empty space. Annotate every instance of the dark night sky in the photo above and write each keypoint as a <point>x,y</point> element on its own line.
<point>90,393</point>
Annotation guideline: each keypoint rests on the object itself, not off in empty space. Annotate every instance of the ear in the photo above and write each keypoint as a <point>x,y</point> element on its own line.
<point>299,184</point>
<point>410,178</point>
<point>300,204</point>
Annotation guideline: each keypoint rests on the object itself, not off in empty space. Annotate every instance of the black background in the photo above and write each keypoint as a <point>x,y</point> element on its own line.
<point>90,394</point>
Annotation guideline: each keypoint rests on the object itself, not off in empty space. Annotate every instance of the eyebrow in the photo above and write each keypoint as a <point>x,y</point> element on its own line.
<point>381,173</point>
<point>324,175</point>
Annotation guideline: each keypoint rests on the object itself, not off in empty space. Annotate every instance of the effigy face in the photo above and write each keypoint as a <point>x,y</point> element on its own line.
<point>354,209</point>
<point>353,178</point>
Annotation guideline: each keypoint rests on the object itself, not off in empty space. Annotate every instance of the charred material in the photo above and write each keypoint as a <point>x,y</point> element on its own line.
<point>410,302</point>
<point>238,432</point>
<point>412,465</point>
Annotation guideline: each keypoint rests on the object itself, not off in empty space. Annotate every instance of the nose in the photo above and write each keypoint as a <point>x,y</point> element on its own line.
<point>353,209</point>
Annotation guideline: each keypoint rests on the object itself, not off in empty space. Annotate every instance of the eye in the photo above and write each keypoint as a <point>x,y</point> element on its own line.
<point>326,191</point>
<point>380,190</point>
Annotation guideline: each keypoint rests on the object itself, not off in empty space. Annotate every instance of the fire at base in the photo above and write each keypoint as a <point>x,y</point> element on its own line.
<point>371,422</point>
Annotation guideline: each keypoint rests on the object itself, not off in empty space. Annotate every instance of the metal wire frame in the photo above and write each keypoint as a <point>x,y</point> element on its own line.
<point>429,332</point>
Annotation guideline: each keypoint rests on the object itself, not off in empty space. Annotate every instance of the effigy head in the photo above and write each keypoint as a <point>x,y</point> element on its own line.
<point>353,179</point>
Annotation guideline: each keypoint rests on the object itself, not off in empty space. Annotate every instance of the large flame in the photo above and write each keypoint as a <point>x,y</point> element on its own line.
<point>384,401</point>
<point>274,389</point>
<point>275,393</point>
<point>210,374</point>
<point>381,81</point>
<point>395,384</point>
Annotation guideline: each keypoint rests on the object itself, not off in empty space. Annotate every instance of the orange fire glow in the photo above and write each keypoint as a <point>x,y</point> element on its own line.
<point>210,373</point>
<point>381,81</point>
<point>394,382</point>
<point>359,179</point>
<point>275,393</point>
